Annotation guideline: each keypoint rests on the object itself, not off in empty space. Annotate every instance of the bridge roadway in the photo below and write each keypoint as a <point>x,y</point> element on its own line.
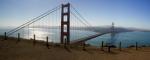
<point>87,38</point>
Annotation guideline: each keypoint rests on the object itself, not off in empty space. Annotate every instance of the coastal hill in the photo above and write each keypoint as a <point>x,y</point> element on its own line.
<point>25,50</point>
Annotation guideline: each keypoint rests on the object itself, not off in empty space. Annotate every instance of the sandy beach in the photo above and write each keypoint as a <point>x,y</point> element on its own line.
<point>25,50</point>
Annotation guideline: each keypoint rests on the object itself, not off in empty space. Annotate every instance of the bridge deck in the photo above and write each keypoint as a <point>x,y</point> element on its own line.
<point>87,38</point>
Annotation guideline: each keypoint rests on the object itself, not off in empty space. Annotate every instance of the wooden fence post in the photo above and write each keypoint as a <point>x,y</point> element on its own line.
<point>102,46</point>
<point>5,37</point>
<point>84,46</point>
<point>109,48</point>
<point>18,37</point>
<point>34,39</point>
<point>120,46</point>
<point>136,45</point>
<point>47,42</point>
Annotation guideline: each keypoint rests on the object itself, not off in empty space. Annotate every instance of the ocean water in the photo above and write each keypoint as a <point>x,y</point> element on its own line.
<point>126,38</point>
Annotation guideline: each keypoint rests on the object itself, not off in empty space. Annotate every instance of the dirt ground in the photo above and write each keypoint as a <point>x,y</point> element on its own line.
<point>25,50</point>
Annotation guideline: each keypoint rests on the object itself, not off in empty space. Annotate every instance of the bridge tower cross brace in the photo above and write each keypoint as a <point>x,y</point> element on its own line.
<point>65,23</point>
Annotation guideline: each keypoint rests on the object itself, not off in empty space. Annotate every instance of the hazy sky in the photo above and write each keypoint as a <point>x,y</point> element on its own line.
<point>125,13</point>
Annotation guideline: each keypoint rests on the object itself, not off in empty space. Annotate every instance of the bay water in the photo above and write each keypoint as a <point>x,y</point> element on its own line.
<point>126,38</point>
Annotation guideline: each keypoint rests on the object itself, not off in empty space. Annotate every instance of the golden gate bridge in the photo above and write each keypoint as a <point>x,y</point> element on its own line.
<point>67,19</point>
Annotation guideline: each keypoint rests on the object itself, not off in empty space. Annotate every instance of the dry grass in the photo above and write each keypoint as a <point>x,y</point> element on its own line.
<point>25,50</point>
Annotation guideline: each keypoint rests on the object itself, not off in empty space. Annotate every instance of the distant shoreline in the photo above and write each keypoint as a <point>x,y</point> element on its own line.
<point>41,41</point>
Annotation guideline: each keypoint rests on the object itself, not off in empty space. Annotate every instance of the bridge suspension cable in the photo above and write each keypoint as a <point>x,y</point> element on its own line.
<point>33,20</point>
<point>80,23</point>
<point>82,18</point>
<point>78,18</point>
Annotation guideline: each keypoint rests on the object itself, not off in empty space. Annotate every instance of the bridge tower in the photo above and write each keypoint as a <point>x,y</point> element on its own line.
<point>112,33</point>
<point>65,23</point>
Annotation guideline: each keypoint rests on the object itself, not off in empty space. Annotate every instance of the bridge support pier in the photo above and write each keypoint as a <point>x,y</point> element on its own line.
<point>65,44</point>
